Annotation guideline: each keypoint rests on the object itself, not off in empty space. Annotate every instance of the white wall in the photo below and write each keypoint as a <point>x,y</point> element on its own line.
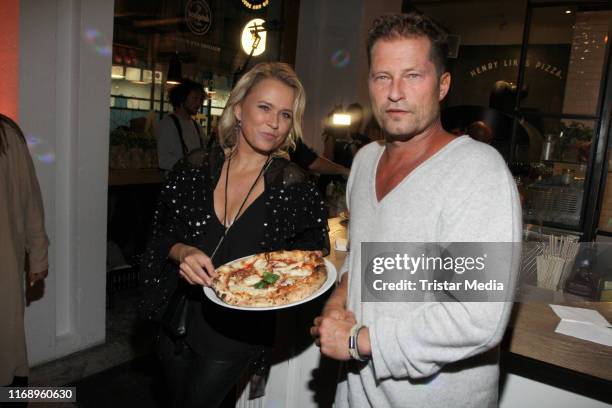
<point>64,84</point>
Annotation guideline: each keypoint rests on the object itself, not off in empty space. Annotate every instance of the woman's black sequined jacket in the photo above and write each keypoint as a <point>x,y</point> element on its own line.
<point>296,218</point>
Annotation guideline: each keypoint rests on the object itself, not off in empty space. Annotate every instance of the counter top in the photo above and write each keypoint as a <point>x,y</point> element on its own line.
<point>532,328</point>
<point>533,335</point>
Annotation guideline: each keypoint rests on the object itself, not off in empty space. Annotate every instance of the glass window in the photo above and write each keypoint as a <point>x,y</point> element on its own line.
<point>551,169</point>
<point>565,58</point>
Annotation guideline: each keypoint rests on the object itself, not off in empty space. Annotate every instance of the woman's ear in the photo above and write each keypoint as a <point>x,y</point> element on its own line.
<point>238,111</point>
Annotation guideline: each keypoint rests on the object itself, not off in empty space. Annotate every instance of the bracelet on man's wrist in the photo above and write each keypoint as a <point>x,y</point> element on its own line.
<point>353,343</point>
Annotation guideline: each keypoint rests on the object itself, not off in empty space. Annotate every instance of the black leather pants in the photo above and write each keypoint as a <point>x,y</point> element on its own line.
<point>198,380</point>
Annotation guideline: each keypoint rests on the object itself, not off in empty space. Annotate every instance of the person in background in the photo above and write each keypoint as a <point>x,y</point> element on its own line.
<point>308,159</point>
<point>178,133</point>
<point>221,205</point>
<point>422,185</point>
<point>373,131</point>
<point>480,131</point>
<point>22,236</point>
<point>356,137</point>
<point>341,144</point>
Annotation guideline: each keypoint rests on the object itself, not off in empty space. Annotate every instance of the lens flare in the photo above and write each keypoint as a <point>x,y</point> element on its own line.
<point>40,150</point>
<point>340,58</point>
<point>98,42</point>
<point>47,158</point>
<point>32,141</point>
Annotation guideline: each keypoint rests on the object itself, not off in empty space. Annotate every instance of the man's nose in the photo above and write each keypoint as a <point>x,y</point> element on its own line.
<point>396,91</point>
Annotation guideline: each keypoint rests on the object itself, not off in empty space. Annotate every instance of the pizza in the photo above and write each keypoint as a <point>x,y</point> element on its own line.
<point>270,278</point>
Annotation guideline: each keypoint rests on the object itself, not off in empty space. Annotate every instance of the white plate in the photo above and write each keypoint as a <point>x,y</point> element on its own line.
<point>329,282</point>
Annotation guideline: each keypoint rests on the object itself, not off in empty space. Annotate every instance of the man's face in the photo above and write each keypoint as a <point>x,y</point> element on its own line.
<point>405,88</point>
<point>193,102</point>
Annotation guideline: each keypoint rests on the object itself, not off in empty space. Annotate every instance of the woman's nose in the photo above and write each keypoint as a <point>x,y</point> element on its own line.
<point>273,121</point>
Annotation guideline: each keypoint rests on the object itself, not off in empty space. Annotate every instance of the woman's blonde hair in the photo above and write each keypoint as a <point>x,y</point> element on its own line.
<point>266,70</point>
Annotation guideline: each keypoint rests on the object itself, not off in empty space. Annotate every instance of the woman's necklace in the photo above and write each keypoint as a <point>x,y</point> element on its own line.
<point>229,162</point>
<point>225,224</point>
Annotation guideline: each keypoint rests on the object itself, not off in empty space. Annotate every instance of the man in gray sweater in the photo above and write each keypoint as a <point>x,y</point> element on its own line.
<point>421,184</point>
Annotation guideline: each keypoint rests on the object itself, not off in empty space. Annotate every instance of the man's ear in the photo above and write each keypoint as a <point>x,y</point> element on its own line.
<point>445,81</point>
<point>238,111</point>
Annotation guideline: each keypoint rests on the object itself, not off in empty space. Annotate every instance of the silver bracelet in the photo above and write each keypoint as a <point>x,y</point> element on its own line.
<point>353,346</point>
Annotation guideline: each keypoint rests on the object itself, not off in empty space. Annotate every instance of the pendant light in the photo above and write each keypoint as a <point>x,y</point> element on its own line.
<point>174,70</point>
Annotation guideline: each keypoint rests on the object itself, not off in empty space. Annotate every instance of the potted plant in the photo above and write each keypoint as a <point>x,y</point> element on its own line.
<point>574,141</point>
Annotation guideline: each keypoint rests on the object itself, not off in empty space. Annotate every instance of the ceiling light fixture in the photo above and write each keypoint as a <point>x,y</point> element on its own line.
<point>175,73</point>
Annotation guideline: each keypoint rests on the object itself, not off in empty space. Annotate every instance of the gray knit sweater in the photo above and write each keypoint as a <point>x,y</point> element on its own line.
<point>430,354</point>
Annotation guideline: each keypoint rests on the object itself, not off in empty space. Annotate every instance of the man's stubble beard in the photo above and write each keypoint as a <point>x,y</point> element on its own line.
<point>414,128</point>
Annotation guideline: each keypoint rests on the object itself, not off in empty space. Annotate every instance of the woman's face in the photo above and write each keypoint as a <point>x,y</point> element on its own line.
<point>266,115</point>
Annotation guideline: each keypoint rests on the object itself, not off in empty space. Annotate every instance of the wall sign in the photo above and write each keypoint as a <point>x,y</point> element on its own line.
<point>255,4</point>
<point>198,16</point>
<point>478,68</point>
<point>481,68</point>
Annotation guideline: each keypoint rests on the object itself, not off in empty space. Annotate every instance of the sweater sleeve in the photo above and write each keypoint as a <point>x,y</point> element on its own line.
<point>433,334</point>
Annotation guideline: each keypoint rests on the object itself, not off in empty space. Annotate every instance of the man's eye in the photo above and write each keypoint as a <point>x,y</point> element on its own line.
<point>414,76</point>
<point>381,77</point>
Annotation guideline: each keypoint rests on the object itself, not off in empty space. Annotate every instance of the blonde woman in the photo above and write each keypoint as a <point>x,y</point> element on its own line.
<point>219,206</point>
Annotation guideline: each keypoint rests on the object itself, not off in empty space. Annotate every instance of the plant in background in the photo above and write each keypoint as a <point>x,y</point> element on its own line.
<point>123,136</point>
<point>129,149</point>
<point>575,135</point>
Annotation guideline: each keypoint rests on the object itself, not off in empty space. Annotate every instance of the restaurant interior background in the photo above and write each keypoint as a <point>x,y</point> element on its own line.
<point>553,133</point>
<point>538,75</point>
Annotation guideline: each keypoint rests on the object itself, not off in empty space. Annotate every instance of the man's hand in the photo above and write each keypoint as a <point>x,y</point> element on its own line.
<point>331,334</point>
<point>331,330</point>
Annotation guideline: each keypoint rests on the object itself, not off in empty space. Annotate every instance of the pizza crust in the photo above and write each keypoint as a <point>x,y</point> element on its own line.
<point>300,274</point>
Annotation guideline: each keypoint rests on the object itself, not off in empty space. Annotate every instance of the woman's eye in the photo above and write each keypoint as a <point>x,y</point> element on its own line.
<point>286,115</point>
<point>264,107</point>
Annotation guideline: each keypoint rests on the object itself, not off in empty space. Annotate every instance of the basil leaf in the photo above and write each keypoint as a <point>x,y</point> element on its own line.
<point>260,285</point>
<point>270,278</point>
